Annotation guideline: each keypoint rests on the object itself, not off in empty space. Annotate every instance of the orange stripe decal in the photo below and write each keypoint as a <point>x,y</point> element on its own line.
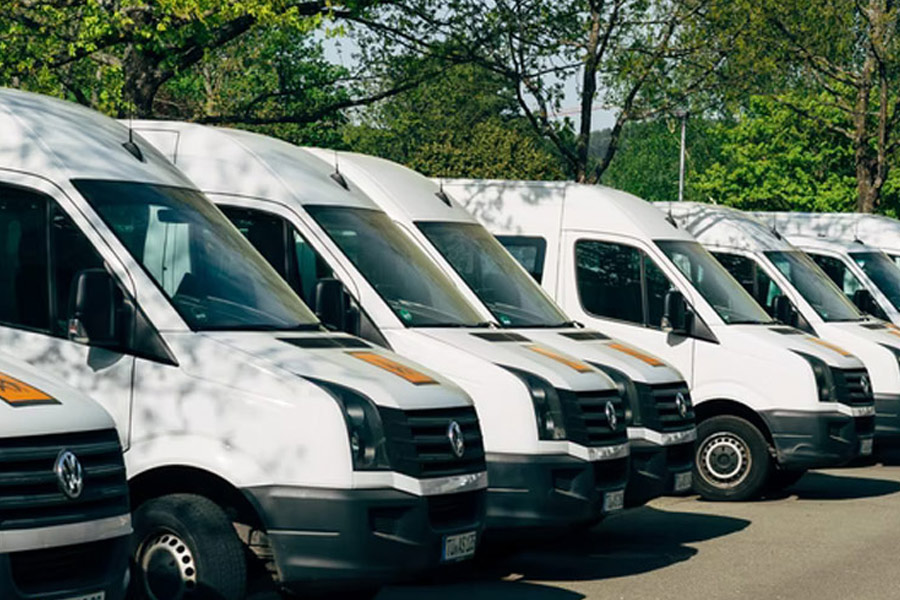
<point>577,365</point>
<point>829,345</point>
<point>392,366</point>
<point>650,360</point>
<point>19,393</point>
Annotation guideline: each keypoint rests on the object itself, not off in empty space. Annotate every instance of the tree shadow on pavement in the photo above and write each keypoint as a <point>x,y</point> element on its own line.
<point>822,486</point>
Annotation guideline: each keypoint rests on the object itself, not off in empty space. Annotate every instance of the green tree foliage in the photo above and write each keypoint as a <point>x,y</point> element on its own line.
<point>464,123</point>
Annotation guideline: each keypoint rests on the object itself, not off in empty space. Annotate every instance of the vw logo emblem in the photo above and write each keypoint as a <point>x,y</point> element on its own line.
<point>681,404</point>
<point>457,442</point>
<point>69,474</point>
<point>866,386</point>
<point>611,415</point>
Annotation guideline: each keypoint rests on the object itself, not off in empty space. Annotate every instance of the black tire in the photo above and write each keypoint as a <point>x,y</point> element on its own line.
<point>732,461</point>
<point>185,547</point>
<point>780,479</point>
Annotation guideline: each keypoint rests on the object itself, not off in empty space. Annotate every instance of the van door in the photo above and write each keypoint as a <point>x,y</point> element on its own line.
<point>619,288</point>
<point>42,251</point>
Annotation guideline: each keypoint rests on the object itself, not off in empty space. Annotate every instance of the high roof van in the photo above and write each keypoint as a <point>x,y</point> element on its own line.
<point>764,397</point>
<point>63,493</point>
<point>554,427</point>
<point>253,437</point>
<point>796,291</point>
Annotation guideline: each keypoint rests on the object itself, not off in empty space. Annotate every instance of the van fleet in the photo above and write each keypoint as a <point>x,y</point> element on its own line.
<point>764,394</point>
<point>554,427</point>
<point>794,290</point>
<point>252,436</point>
<point>63,492</point>
<point>661,428</point>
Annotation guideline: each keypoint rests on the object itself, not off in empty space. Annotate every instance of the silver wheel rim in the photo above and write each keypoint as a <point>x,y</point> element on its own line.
<point>168,565</point>
<point>724,460</point>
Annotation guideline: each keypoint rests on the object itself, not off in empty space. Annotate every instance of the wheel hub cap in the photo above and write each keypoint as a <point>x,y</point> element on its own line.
<point>724,460</point>
<point>170,572</point>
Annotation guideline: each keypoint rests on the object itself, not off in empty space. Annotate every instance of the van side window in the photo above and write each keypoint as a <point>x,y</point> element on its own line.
<point>753,279</point>
<point>529,252</point>
<point>24,268</point>
<point>838,272</point>
<point>71,252</point>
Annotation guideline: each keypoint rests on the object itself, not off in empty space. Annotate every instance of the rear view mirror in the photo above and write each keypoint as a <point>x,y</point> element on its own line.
<point>93,309</point>
<point>331,304</point>
<point>675,313</point>
<point>783,310</point>
<point>864,301</point>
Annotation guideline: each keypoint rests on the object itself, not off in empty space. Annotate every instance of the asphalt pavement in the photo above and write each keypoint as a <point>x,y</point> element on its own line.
<point>834,534</point>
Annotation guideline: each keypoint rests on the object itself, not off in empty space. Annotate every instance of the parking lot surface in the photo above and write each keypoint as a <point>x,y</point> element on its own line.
<point>835,534</point>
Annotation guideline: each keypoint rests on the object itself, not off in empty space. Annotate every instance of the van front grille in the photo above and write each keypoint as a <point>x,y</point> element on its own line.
<point>850,387</point>
<point>47,571</point>
<point>587,421</point>
<point>30,492</point>
<point>419,445</point>
<point>664,411</point>
<point>453,511</point>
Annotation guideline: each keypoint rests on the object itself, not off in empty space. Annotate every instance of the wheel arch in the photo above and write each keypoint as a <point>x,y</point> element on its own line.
<point>723,406</point>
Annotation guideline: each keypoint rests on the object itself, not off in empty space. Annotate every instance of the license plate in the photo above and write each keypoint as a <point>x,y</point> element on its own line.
<point>683,481</point>
<point>613,501</point>
<point>459,546</point>
<point>865,447</point>
<point>97,596</point>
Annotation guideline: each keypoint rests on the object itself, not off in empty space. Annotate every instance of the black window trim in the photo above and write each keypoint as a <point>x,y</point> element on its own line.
<point>539,243</point>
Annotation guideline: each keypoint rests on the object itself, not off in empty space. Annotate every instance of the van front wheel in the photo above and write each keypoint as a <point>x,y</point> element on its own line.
<point>186,547</point>
<point>732,459</point>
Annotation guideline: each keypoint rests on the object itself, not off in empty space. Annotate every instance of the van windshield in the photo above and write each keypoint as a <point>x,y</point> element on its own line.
<point>727,297</point>
<point>414,287</point>
<point>211,274</point>
<point>815,286</point>
<point>509,292</point>
<point>882,271</point>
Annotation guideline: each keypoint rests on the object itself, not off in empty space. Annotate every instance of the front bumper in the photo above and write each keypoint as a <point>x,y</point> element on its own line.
<point>810,440</point>
<point>95,569</point>
<point>657,460</point>
<point>887,419</point>
<point>550,492</point>
<point>331,539</point>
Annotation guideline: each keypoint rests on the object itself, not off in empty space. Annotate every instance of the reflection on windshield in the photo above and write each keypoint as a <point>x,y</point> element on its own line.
<point>883,273</point>
<point>815,286</point>
<point>412,285</point>
<point>731,301</point>
<point>211,274</point>
<point>511,294</point>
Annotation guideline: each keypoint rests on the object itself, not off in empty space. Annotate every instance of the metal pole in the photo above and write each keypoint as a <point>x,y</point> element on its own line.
<point>681,166</point>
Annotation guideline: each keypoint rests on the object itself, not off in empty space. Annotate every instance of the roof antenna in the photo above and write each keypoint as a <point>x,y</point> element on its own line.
<point>336,176</point>
<point>132,148</point>
<point>441,194</point>
<point>670,218</point>
<point>774,227</point>
<point>856,232</point>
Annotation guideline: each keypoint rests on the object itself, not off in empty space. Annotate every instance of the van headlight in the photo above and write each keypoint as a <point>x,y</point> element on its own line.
<point>548,406</point>
<point>628,392</point>
<point>365,429</point>
<point>824,378</point>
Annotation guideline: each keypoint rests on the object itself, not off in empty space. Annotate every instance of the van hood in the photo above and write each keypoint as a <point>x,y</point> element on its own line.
<point>877,344</point>
<point>872,330</point>
<point>384,377</point>
<point>793,339</point>
<point>511,349</point>
<point>33,404</point>
<point>601,350</point>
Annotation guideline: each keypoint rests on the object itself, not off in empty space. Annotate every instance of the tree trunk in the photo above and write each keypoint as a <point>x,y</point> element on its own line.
<point>589,91</point>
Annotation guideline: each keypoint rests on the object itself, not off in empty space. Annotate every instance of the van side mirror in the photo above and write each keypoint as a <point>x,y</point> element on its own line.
<point>331,300</point>
<point>864,301</point>
<point>784,311</point>
<point>93,309</point>
<point>675,313</point>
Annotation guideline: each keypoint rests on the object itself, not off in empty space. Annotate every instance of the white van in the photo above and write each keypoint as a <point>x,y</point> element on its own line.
<point>554,427</point>
<point>249,430</point>
<point>796,291</point>
<point>867,276</point>
<point>760,391</point>
<point>64,514</point>
<point>661,430</point>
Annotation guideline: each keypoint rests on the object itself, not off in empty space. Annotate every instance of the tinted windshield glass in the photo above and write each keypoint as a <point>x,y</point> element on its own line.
<point>883,273</point>
<point>509,292</point>
<point>212,275</point>
<point>731,301</point>
<point>815,286</point>
<point>412,285</point>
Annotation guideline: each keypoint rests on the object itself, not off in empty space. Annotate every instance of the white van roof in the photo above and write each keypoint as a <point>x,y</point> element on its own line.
<point>235,162</point>
<point>61,141</point>
<point>829,244</point>
<point>562,205</point>
<point>725,227</point>
<point>875,230</point>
